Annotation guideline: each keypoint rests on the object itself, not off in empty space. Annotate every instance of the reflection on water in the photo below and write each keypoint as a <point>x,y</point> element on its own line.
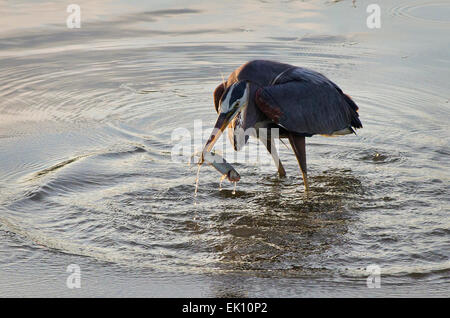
<point>286,230</point>
<point>86,177</point>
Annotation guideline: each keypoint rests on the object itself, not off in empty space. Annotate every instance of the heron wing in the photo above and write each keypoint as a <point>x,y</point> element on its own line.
<point>306,102</point>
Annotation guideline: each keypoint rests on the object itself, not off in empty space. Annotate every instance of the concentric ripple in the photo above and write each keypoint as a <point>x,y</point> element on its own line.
<point>425,11</point>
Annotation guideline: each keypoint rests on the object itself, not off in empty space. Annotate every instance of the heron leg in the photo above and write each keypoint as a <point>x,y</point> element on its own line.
<point>298,145</point>
<point>268,141</point>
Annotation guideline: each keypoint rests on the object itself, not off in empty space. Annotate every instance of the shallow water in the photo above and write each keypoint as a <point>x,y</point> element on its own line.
<point>86,176</point>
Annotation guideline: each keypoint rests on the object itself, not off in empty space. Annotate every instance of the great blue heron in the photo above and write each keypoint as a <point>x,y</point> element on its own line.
<point>296,100</point>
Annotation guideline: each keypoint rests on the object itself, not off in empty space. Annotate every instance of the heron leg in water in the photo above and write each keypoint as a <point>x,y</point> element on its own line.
<point>298,145</point>
<point>268,141</point>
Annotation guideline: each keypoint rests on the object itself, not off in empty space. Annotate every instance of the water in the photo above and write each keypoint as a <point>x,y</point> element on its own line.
<point>86,177</point>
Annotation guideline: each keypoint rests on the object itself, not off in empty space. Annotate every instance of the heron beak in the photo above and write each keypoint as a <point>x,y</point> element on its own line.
<point>222,122</point>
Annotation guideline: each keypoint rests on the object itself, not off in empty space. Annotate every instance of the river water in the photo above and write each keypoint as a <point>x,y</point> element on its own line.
<point>87,175</point>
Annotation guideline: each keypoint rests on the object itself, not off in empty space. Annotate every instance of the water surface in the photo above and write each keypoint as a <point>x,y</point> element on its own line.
<point>86,176</point>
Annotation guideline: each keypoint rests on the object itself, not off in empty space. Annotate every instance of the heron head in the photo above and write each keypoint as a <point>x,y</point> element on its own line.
<point>232,102</point>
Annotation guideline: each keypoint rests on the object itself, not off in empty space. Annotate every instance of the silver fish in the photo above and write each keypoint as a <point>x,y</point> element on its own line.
<point>219,163</point>
<point>222,166</point>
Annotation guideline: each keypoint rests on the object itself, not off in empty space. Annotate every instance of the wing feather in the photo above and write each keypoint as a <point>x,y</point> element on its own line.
<point>308,103</point>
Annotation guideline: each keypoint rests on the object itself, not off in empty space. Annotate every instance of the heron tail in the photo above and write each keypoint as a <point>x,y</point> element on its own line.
<point>355,122</point>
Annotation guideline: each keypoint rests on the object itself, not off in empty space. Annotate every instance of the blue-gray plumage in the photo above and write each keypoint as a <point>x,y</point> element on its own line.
<point>298,101</point>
